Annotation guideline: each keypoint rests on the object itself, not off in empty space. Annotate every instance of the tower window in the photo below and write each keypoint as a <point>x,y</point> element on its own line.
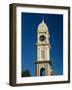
<point>42,72</point>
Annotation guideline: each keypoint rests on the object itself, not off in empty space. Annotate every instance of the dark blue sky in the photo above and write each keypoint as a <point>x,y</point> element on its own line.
<point>30,22</point>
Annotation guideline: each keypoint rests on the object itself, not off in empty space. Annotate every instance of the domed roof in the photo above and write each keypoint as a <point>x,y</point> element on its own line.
<point>42,27</point>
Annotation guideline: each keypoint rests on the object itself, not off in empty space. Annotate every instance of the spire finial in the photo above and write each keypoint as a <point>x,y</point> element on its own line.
<point>42,19</point>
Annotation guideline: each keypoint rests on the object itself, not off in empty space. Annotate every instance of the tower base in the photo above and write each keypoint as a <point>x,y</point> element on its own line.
<point>43,68</point>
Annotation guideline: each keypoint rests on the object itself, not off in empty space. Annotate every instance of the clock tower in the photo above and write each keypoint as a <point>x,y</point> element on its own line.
<point>43,62</point>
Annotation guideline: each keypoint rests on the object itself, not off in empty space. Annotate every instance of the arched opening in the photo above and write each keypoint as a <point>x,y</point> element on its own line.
<point>42,72</point>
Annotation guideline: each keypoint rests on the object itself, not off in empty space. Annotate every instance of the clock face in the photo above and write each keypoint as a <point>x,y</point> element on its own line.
<point>42,38</point>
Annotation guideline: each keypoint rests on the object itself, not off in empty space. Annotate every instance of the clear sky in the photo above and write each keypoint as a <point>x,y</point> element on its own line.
<point>30,22</point>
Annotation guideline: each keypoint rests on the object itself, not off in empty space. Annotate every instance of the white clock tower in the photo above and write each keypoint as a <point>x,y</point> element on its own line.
<point>43,62</point>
